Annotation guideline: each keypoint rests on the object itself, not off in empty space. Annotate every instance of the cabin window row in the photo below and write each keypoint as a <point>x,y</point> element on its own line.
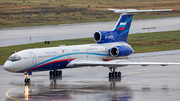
<point>46,56</point>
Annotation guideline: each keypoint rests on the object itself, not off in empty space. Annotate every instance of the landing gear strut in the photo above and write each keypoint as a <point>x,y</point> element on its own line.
<point>55,73</point>
<point>27,80</point>
<point>114,73</point>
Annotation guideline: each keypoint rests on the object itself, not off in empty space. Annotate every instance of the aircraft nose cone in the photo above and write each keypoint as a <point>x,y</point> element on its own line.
<point>7,66</point>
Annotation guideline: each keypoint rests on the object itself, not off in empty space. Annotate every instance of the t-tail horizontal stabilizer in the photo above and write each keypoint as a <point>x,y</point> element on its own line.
<point>132,11</point>
<point>122,27</point>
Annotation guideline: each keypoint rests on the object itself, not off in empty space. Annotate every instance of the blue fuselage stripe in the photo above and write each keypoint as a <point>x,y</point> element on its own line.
<point>63,56</point>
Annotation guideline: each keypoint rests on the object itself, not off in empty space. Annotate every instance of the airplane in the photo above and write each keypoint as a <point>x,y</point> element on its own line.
<point>110,45</point>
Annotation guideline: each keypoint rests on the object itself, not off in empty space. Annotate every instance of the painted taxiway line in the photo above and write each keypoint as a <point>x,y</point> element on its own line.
<point>11,90</point>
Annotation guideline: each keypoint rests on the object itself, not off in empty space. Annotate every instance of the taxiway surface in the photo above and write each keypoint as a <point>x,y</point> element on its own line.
<point>149,83</point>
<point>24,35</point>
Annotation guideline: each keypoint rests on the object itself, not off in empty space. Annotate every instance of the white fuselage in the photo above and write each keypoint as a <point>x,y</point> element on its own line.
<point>52,58</point>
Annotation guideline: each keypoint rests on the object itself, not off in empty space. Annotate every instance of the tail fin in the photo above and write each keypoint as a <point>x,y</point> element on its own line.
<point>122,26</point>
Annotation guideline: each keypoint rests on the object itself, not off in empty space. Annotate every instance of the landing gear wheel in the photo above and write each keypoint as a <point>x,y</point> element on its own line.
<point>27,80</point>
<point>55,73</point>
<point>114,74</point>
<point>51,73</point>
<point>110,74</point>
<point>60,73</point>
<point>119,74</point>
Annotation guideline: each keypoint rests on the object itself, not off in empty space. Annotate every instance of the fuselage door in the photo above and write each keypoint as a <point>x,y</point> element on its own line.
<point>33,57</point>
<point>66,52</point>
<point>87,54</point>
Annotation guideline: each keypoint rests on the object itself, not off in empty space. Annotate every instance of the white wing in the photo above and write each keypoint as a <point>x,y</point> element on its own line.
<point>115,63</point>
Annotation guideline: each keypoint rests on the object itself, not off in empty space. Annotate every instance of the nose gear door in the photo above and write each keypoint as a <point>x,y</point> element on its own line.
<point>33,57</point>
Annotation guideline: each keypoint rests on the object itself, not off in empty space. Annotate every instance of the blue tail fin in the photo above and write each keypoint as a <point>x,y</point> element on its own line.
<point>122,27</point>
<point>119,33</point>
<point>121,30</point>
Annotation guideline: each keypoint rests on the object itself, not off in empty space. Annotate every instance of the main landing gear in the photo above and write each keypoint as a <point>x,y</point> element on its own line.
<point>114,73</point>
<point>55,73</point>
<point>27,80</point>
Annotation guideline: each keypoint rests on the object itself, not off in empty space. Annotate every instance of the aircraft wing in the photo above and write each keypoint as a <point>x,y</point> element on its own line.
<point>116,63</point>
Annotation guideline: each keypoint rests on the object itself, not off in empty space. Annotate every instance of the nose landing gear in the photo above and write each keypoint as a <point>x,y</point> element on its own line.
<point>27,80</point>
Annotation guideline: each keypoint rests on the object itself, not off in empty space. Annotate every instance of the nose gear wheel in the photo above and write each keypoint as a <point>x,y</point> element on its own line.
<point>27,80</point>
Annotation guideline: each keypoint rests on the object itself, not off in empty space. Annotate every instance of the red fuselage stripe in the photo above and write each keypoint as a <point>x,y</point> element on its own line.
<point>49,63</point>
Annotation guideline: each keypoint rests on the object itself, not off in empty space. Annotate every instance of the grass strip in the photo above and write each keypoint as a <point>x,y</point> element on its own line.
<point>20,13</point>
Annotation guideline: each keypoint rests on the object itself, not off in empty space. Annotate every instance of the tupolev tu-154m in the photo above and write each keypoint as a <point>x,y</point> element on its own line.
<point>109,47</point>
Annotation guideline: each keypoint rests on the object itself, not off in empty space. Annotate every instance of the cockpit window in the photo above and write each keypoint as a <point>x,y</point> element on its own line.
<point>14,58</point>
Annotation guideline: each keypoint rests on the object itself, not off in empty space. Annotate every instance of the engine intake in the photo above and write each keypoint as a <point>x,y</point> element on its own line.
<point>121,51</point>
<point>104,36</point>
<point>97,36</point>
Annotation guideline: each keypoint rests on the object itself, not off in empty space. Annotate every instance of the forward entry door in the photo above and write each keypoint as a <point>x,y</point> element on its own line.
<point>33,57</point>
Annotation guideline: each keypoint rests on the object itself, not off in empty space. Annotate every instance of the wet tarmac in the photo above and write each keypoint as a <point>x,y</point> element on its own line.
<point>24,35</point>
<point>149,83</point>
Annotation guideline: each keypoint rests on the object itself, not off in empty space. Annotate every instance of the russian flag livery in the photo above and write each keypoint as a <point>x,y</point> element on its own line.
<point>122,26</point>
